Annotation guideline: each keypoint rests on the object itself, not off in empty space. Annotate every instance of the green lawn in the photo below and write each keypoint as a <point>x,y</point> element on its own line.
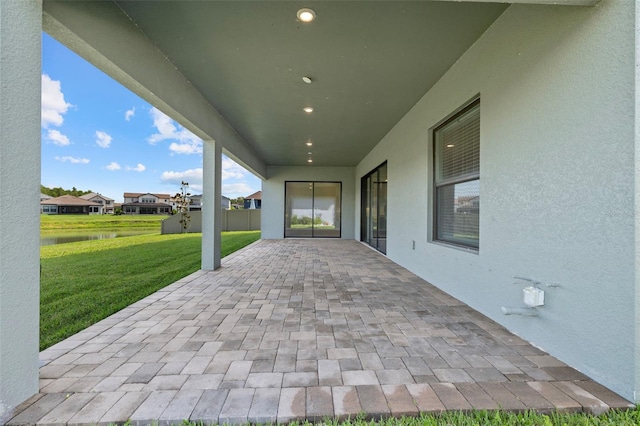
<point>78,221</point>
<point>84,282</point>
<point>498,418</point>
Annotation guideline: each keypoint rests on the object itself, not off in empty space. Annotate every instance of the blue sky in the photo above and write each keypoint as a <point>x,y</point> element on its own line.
<point>98,135</point>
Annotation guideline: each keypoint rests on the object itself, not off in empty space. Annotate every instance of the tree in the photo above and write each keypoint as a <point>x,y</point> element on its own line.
<point>183,201</point>
<point>58,191</point>
<point>237,202</point>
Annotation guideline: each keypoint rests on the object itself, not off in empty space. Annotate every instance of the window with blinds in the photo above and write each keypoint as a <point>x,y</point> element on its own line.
<point>457,178</point>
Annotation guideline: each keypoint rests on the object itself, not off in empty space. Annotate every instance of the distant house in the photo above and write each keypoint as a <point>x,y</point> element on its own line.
<point>467,204</point>
<point>225,202</point>
<point>253,201</point>
<point>196,202</point>
<point>146,203</point>
<point>68,204</point>
<point>107,203</point>
<point>45,197</point>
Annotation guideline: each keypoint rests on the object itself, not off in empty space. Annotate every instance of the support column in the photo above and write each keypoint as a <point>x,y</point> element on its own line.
<point>211,214</point>
<point>636,355</point>
<point>20,83</point>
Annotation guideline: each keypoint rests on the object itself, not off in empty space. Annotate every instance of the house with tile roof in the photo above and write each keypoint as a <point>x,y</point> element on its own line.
<point>107,203</point>
<point>195,202</point>
<point>69,204</point>
<point>253,201</point>
<point>146,203</point>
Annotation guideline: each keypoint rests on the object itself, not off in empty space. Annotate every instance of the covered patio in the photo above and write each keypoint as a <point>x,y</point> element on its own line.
<point>484,146</point>
<point>299,329</point>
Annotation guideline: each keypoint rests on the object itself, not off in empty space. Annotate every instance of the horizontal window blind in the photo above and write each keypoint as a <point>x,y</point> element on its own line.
<point>457,178</point>
<point>458,148</point>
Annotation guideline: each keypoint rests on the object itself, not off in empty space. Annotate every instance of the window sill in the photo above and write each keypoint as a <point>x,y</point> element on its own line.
<point>463,249</point>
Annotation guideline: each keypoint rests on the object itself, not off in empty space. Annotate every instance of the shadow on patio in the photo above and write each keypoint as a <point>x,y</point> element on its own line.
<point>299,329</point>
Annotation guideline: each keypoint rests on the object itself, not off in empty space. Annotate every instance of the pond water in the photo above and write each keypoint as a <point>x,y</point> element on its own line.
<point>48,238</point>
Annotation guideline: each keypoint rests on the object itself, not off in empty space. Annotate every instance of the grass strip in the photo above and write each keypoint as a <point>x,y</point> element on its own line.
<point>486,418</point>
<point>495,418</point>
<point>82,283</point>
<point>76,222</point>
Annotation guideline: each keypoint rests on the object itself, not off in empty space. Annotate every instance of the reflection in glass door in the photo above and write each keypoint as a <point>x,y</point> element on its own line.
<point>374,209</point>
<point>312,209</point>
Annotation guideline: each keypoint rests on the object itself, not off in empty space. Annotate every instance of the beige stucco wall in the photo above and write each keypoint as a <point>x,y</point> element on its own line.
<point>557,182</point>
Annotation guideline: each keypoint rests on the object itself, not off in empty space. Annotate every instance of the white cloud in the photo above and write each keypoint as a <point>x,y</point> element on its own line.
<point>186,148</point>
<point>139,168</point>
<point>58,138</point>
<point>192,176</point>
<point>53,105</point>
<point>187,142</point>
<point>130,113</point>
<point>73,160</point>
<point>232,170</point>
<point>113,166</point>
<point>103,139</point>
<point>235,190</point>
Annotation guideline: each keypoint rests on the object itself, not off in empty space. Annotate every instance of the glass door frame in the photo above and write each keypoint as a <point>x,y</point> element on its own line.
<point>370,225</point>
<point>313,184</point>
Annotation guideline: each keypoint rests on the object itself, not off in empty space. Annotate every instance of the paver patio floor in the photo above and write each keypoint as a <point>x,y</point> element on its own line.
<point>298,329</point>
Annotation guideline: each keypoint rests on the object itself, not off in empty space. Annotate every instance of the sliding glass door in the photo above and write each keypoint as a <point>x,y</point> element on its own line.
<point>374,209</point>
<point>312,209</point>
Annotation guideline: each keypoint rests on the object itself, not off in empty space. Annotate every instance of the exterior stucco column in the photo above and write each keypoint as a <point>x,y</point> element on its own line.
<point>20,83</point>
<point>211,214</point>
<point>636,389</point>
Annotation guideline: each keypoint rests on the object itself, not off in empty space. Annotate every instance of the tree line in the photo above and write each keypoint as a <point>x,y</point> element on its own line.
<point>58,191</point>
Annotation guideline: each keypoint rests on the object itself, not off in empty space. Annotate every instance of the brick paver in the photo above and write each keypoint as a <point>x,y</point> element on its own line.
<point>299,329</point>
<point>122,410</point>
<point>346,403</point>
<point>292,405</point>
<point>399,400</point>
<point>97,408</point>
<point>236,407</point>
<point>209,406</point>
<point>153,406</point>
<point>264,409</point>
<point>373,401</point>
<point>425,398</point>
<point>451,397</point>
<point>319,403</point>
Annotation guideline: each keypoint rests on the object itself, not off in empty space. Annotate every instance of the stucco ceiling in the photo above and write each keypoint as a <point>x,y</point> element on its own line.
<point>369,62</point>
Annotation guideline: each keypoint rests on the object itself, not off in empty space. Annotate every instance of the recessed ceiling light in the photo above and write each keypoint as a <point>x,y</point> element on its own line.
<point>306,15</point>
<point>308,110</point>
<point>306,79</point>
<point>450,145</point>
<point>309,152</point>
<point>309,143</point>
<point>309,160</point>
